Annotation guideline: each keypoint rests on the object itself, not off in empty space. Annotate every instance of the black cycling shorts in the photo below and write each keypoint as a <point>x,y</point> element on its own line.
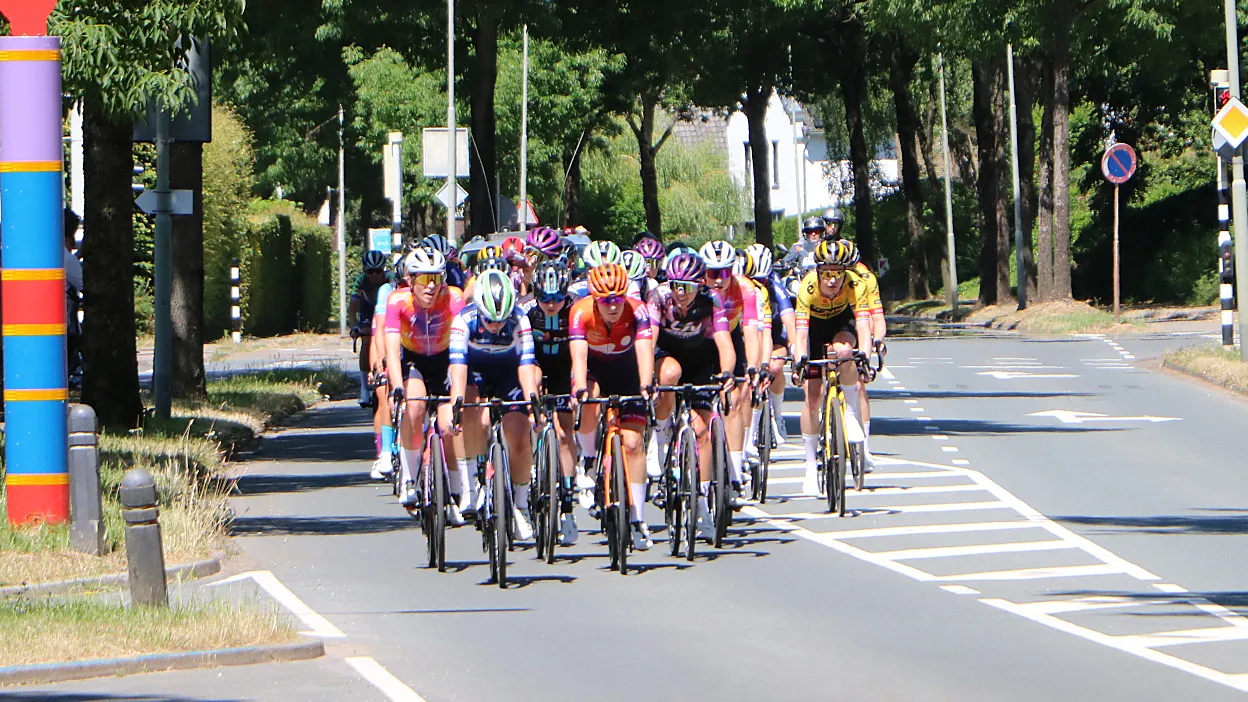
<point>696,368</point>
<point>432,370</point>
<point>557,379</point>
<point>823,331</point>
<point>619,376</point>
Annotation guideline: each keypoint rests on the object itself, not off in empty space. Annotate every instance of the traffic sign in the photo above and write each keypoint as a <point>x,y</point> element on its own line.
<point>1118,163</point>
<point>444,195</point>
<point>181,202</point>
<point>1230,125</point>
<point>526,211</point>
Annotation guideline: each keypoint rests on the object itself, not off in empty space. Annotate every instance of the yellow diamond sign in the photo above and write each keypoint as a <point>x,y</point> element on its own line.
<point>1231,123</point>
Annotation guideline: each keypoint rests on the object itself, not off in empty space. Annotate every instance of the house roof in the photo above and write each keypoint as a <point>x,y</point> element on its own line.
<point>706,126</point>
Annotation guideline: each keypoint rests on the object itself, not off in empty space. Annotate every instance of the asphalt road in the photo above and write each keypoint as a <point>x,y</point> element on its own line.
<point>1048,520</point>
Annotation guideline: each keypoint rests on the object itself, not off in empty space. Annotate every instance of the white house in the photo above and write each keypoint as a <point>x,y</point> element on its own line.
<point>801,176</point>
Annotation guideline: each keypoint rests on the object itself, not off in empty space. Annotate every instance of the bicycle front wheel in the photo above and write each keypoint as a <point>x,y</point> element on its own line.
<point>619,486</point>
<point>720,509</point>
<point>690,490</point>
<point>765,438</point>
<point>437,467</point>
<point>502,511</point>
<point>857,465</point>
<point>838,456</point>
<point>551,501</point>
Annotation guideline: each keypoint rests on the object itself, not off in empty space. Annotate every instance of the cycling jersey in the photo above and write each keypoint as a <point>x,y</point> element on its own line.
<point>682,332</point>
<point>367,293</point>
<point>455,275</point>
<point>424,332</point>
<point>781,305</point>
<point>609,343</point>
<point>487,352</point>
<point>764,304</point>
<point>871,287</point>
<point>741,303</point>
<point>550,334</point>
<point>851,299</point>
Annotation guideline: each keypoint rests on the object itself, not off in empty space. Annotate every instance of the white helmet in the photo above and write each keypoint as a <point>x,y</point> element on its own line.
<point>718,255</point>
<point>762,260</point>
<point>634,263</point>
<point>438,243</point>
<point>597,253</point>
<point>424,259</point>
<point>494,295</point>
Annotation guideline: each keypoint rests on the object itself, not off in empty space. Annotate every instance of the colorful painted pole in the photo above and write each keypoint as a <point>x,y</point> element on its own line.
<point>32,279</point>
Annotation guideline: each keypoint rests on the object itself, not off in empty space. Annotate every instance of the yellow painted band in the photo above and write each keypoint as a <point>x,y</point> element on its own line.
<point>33,329</point>
<point>32,274</point>
<point>30,167</point>
<point>30,55</point>
<point>34,395</point>
<point>45,479</point>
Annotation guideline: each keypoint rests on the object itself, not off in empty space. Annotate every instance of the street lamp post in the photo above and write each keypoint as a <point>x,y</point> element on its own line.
<point>450,118</point>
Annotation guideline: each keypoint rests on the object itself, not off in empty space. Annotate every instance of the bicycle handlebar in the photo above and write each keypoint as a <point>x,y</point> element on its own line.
<point>612,401</point>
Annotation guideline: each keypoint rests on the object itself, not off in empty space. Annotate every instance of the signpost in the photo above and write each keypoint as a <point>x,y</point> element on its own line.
<point>1118,164</point>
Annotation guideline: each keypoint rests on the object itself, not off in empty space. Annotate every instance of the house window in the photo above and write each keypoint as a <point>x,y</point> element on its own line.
<point>775,165</point>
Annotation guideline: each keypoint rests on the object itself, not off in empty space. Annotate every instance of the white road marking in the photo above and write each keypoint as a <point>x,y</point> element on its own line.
<point>964,528</point>
<point>924,419</point>
<point>1072,417</point>
<point>1037,573</point>
<point>949,449</point>
<point>317,625</point>
<point>1013,366</point>
<point>887,374</point>
<point>907,509</point>
<point>960,462</point>
<point>1167,587</point>
<point>975,550</point>
<point>1083,604</point>
<point>1188,636</point>
<point>1012,375</point>
<point>383,680</point>
<point>929,490</point>
<point>940,437</point>
<point>959,589</point>
<point>911,402</point>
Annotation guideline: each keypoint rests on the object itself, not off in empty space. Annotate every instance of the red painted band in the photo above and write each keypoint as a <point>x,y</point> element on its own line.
<point>33,301</point>
<point>32,504</point>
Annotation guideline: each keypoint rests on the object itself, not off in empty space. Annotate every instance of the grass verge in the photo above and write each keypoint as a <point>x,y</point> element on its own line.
<point>50,631</point>
<point>1212,363</point>
<point>1057,318</point>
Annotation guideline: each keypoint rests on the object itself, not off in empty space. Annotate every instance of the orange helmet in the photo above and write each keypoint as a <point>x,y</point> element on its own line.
<point>607,280</point>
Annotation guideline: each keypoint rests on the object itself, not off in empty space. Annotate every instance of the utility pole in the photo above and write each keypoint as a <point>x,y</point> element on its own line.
<point>162,260</point>
<point>450,118</point>
<point>1239,193</point>
<point>1018,201</point>
<point>342,226</point>
<point>524,136</point>
<point>952,288</point>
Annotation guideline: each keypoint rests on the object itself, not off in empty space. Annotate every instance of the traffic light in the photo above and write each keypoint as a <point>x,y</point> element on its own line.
<point>1227,254</point>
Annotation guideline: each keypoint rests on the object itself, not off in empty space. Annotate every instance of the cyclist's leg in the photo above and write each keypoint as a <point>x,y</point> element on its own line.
<point>812,406</point>
<point>668,372</point>
<point>739,413</point>
<point>631,431</point>
<point>412,433</point>
<point>589,427</point>
<point>775,394</point>
<point>700,421</point>
<point>365,367</point>
<point>846,341</point>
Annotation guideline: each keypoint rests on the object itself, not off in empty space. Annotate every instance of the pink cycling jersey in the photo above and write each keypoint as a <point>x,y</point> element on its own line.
<point>741,303</point>
<point>423,331</point>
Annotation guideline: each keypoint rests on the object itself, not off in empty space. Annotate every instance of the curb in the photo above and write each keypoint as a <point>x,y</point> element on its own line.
<point>185,571</point>
<point>160,662</point>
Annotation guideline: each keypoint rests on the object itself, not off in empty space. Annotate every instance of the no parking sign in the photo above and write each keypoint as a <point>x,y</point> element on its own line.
<point>1118,164</point>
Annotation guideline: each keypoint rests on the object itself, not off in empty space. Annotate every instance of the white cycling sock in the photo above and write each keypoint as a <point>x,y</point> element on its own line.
<point>866,440</point>
<point>704,488</point>
<point>586,441</point>
<point>704,507</point>
<point>777,406</point>
<point>751,431</point>
<point>455,481</point>
<point>521,493</point>
<point>853,432</point>
<point>810,446</point>
<point>735,459</point>
<point>413,460</point>
<point>637,492</point>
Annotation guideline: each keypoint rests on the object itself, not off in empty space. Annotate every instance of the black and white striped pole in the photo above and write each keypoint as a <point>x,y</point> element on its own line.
<point>1220,81</point>
<point>236,298</point>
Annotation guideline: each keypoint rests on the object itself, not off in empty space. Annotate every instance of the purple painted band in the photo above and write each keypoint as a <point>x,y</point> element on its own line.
<point>30,102</point>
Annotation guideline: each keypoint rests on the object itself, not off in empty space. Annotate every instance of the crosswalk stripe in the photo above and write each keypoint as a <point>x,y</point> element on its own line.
<point>975,550</point>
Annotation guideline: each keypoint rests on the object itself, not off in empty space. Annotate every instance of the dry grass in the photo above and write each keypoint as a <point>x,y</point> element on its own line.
<point>225,348</point>
<point>1057,318</point>
<point>1212,363</point>
<point>50,631</point>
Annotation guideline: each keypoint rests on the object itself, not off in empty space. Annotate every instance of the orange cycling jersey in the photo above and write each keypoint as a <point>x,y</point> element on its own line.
<point>423,331</point>
<point>609,342</point>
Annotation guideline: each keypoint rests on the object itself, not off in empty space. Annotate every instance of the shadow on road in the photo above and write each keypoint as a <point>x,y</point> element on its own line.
<point>268,484</point>
<point>305,448</point>
<point>1169,524</point>
<point>319,526</point>
<point>344,415</point>
<point>1162,604</point>
<point>893,426</point>
<point>97,697</point>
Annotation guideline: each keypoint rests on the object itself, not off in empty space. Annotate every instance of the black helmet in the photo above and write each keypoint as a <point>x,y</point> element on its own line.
<point>832,214</point>
<point>812,224</point>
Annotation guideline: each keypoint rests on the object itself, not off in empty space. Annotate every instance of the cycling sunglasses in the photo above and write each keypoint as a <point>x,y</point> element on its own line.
<point>612,299</point>
<point>719,274</point>
<point>686,286</point>
<point>551,298</point>
<point>421,280</point>
<point>831,273</point>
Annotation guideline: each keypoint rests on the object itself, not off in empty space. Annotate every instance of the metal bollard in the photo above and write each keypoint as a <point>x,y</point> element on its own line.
<point>144,552</point>
<point>86,528</point>
<point>236,306</point>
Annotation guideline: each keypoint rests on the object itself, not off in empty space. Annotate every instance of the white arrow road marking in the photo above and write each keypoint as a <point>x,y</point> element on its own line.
<point>1010,375</point>
<point>317,625</point>
<point>1072,417</point>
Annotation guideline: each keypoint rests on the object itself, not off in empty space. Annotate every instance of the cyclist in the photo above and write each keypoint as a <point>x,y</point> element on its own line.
<point>612,349</point>
<point>543,244</point>
<point>360,312</point>
<point>651,249</point>
<point>783,328</point>
<point>692,345</point>
<point>741,304</point>
<point>548,317</point>
<point>832,309</point>
<point>749,263</point>
<point>383,428</point>
<point>879,329</point>
<point>491,355</point>
<point>599,253</point>
<point>456,276</point>
<point>418,337</point>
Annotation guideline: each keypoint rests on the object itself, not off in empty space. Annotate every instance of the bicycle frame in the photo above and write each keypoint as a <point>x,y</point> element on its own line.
<point>682,490</point>
<point>613,479</point>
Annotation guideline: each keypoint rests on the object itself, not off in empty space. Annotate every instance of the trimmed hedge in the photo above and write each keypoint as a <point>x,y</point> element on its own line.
<point>286,272</point>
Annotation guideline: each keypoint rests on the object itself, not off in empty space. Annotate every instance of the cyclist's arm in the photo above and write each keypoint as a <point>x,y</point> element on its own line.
<point>578,349</point>
<point>530,372</point>
<point>394,346</point>
<point>458,368</point>
<point>863,327</point>
<point>645,360</point>
<point>353,311</point>
<point>790,323</point>
<point>879,325</point>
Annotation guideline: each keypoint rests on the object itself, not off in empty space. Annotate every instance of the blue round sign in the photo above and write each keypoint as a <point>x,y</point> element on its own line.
<point>1118,163</point>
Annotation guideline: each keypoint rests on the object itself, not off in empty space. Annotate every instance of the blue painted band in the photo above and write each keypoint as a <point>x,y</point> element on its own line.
<point>32,220</point>
<point>28,426</point>
<point>34,362</point>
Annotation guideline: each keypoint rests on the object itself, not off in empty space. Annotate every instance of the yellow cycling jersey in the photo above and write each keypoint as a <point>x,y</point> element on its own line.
<point>852,298</point>
<point>764,303</point>
<point>871,290</point>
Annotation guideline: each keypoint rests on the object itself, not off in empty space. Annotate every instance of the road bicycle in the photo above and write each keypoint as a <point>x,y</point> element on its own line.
<point>835,453</point>
<point>494,518</point>
<point>680,482</point>
<point>764,442</point>
<point>431,482</point>
<point>547,479</point>
<point>611,488</point>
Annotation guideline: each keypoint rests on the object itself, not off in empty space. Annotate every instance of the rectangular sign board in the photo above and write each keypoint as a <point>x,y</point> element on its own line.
<point>433,152</point>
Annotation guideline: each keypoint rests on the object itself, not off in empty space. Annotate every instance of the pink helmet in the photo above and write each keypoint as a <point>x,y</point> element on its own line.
<point>649,248</point>
<point>546,240</point>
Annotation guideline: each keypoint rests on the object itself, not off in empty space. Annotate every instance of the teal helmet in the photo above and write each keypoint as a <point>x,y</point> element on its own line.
<point>494,295</point>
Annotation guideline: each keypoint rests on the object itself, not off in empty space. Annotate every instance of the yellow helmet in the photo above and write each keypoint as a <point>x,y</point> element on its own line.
<point>834,252</point>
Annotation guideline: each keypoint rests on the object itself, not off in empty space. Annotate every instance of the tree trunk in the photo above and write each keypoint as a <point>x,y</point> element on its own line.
<point>187,303</point>
<point>483,159</point>
<point>647,155</point>
<point>1044,228</point>
<point>572,190</point>
<point>756,100</point>
<point>989,115</point>
<point>1026,84</point>
<point>901,71</point>
<point>853,82</point>
<point>1063,18</point>
<point>110,359</point>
